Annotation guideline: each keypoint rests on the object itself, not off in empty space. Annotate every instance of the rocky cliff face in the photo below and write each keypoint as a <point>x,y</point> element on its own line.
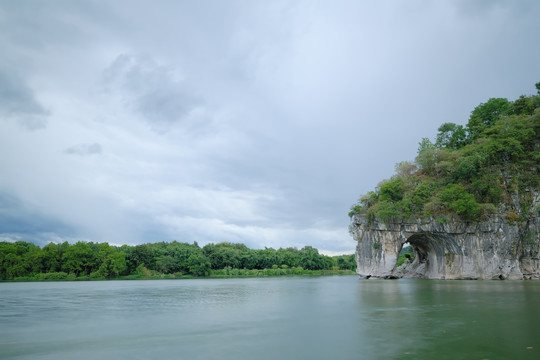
<point>494,249</point>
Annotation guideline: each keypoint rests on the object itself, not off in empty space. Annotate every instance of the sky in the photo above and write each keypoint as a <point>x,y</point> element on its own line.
<point>255,122</point>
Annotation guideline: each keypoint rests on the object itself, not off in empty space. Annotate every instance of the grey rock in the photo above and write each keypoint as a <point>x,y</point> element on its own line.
<point>493,249</point>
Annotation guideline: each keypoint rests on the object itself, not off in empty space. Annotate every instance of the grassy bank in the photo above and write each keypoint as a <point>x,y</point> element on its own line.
<point>214,274</point>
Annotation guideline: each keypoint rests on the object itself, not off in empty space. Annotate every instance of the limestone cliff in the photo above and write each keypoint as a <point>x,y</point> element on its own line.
<point>494,249</point>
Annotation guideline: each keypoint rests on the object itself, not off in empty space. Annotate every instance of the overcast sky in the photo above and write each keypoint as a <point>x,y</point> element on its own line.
<point>258,122</point>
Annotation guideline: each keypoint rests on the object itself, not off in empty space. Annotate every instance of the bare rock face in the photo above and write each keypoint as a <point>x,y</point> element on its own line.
<point>494,249</point>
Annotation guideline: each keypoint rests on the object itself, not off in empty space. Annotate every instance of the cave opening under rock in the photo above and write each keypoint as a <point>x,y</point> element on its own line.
<point>405,255</point>
<point>431,253</point>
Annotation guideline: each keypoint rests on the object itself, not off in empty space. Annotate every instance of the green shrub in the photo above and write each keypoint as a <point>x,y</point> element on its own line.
<point>434,207</point>
<point>405,254</point>
<point>487,188</point>
<point>387,210</point>
<point>455,197</point>
<point>392,190</point>
<point>52,276</point>
<point>468,166</point>
<point>355,210</point>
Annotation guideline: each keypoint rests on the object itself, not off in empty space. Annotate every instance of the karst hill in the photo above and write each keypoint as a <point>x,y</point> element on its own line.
<point>469,204</point>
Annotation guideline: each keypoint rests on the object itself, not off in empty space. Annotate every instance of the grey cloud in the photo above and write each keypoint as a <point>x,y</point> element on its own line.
<point>20,221</point>
<point>59,22</point>
<point>308,104</point>
<point>84,149</point>
<point>17,101</point>
<point>40,238</point>
<point>151,89</point>
<point>481,7</point>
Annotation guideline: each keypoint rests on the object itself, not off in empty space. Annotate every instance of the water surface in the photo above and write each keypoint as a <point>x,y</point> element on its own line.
<point>271,318</point>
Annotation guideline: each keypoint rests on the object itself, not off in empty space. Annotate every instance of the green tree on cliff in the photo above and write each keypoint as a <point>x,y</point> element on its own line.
<point>470,170</point>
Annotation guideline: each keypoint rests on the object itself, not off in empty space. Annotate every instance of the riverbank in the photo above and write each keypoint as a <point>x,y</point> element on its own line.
<point>214,274</point>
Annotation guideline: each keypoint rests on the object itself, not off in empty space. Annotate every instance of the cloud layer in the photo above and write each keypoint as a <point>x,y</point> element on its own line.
<point>256,122</point>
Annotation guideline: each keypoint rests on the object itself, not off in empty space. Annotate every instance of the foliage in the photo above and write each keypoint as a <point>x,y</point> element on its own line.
<point>486,114</point>
<point>84,261</point>
<point>407,253</point>
<point>470,171</point>
<point>198,265</point>
<point>451,136</point>
<point>427,155</point>
<point>364,202</point>
<point>392,190</point>
<point>455,197</point>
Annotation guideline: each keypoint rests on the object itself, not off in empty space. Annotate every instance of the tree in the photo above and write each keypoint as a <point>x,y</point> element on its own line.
<point>266,258</point>
<point>458,199</point>
<point>486,114</point>
<point>167,265</point>
<point>392,190</point>
<point>310,258</point>
<point>346,262</point>
<point>524,105</point>
<point>451,136</point>
<point>288,256</point>
<point>19,259</point>
<point>222,255</point>
<point>405,169</point>
<point>13,266</point>
<point>79,259</point>
<point>139,255</point>
<point>33,260</point>
<point>425,144</point>
<point>180,252</point>
<point>198,265</point>
<point>52,257</point>
<point>427,155</point>
<point>110,261</point>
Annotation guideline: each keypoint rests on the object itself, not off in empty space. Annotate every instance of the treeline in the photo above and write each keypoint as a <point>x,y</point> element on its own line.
<point>489,165</point>
<point>82,260</point>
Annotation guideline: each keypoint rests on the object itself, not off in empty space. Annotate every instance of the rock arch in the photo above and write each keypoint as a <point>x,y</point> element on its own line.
<point>433,253</point>
<point>455,250</point>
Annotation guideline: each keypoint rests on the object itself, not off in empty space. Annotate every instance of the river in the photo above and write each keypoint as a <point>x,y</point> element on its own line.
<point>271,318</point>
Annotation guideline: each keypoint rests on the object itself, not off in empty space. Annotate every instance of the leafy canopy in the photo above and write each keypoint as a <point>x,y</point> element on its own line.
<point>469,171</point>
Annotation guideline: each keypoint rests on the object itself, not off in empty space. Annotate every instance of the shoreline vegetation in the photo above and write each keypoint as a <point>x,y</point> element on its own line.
<point>25,262</point>
<point>220,274</point>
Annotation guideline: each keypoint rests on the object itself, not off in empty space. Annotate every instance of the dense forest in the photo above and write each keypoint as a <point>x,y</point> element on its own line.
<point>488,166</point>
<point>26,261</point>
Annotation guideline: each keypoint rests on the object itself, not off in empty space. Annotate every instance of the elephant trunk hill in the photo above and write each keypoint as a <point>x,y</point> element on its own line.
<point>468,206</point>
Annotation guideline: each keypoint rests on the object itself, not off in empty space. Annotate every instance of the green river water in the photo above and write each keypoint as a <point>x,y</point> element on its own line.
<point>271,318</point>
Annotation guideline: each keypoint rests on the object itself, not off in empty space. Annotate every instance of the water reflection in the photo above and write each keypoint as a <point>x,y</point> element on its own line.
<point>301,318</point>
<point>440,319</point>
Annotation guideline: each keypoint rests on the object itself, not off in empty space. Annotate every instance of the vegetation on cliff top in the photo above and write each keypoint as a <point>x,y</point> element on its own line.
<point>470,171</point>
